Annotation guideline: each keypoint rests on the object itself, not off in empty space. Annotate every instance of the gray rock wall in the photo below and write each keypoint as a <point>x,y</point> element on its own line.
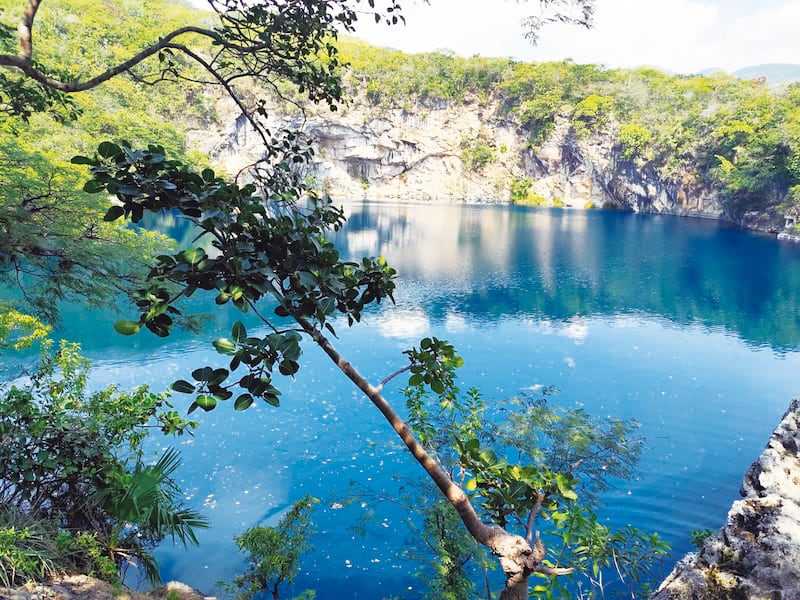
<point>364,151</point>
<point>756,555</point>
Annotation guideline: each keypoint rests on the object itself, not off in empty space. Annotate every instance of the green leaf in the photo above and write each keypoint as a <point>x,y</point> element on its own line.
<point>93,187</point>
<point>222,298</point>
<point>194,255</point>
<point>108,150</point>
<point>288,367</point>
<point>114,213</point>
<point>416,379</point>
<point>125,327</point>
<point>206,402</point>
<point>81,160</point>
<point>243,402</point>
<point>224,346</point>
<point>238,332</point>
<point>183,387</point>
<point>217,376</point>
<point>437,386</point>
<point>203,373</point>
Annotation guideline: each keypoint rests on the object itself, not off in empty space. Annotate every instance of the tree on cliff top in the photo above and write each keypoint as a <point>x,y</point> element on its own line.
<point>270,246</point>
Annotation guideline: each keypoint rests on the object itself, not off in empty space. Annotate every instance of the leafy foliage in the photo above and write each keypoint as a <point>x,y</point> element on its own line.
<point>273,553</point>
<point>27,551</point>
<point>591,114</point>
<point>476,153</point>
<point>683,128</point>
<point>261,249</point>
<point>18,331</point>
<point>527,466</point>
<point>75,460</point>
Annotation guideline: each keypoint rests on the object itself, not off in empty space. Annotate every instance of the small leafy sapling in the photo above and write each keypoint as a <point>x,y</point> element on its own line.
<point>274,553</point>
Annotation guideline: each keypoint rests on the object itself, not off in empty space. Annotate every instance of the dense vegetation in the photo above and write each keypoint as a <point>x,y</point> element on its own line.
<point>55,245</point>
<point>739,137</point>
<point>77,491</point>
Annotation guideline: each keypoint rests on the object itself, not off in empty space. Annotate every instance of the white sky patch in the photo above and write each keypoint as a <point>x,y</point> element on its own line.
<point>768,34</point>
<point>633,33</point>
<point>684,36</point>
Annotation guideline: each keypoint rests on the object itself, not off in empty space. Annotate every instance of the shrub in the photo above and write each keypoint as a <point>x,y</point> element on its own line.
<point>27,550</point>
<point>633,140</point>
<point>519,188</point>
<point>590,114</point>
<point>477,153</point>
<point>274,552</point>
<point>75,458</point>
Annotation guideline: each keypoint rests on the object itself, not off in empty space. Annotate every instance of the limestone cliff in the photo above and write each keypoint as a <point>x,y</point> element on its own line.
<point>756,555</point>
<point>416,154</point>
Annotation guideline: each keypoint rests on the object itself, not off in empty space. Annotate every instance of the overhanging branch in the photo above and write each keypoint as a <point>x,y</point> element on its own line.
<point>23,61</point>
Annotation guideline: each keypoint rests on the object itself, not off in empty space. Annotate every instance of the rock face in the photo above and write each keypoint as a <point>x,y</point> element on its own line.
<point>756,555</point>
<point>415,154</point>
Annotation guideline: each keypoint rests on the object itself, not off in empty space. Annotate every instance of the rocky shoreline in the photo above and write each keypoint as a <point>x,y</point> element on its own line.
<point>81,587</point>
<point>756,555</point>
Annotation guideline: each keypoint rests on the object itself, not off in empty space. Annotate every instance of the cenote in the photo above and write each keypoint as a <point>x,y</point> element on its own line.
<point>690,327</point>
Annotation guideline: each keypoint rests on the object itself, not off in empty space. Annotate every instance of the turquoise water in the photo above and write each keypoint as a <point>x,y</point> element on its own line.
<point>685,325</point>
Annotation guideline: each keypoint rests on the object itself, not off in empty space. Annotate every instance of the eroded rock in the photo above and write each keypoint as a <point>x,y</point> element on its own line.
<point>756,555</point>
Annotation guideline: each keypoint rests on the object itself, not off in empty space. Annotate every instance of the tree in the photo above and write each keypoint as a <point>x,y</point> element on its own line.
<point>274,552</point>
<point>54,244</point>
<point>269,246</point>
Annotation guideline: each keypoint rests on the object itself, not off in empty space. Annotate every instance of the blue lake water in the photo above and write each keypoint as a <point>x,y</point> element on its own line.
<point>689,327</point>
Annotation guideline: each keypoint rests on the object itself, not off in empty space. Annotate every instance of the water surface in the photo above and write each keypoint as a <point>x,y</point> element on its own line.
<point>689,327</point>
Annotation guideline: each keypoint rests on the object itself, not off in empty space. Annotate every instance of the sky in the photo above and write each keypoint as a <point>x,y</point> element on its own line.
<point>683,36</point>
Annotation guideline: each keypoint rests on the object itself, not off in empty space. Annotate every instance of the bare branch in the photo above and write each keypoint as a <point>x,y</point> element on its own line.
<point>540,498</point>
<point>555,570</point>
<point>392,376</point>
<point>26,28</point>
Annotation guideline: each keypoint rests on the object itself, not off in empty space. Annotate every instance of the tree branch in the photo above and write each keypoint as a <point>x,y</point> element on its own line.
<point>491,536</point>
<point>26,30</point>
<point>392,376</point>
<point>23,62</point>
<point>532,517</point>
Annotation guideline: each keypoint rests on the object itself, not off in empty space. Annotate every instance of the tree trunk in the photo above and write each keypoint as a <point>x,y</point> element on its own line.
<point>517,556</point>
<point>516,586</point>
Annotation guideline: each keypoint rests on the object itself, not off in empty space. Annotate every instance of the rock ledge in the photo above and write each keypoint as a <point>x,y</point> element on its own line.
<point>756,555</point>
